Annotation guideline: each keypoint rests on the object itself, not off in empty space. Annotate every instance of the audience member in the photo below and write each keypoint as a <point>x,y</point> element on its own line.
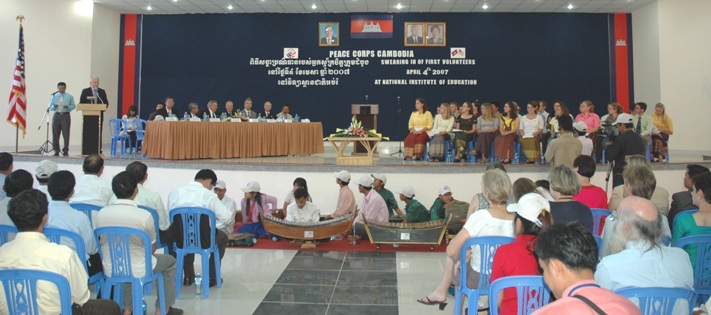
<point>5,169</point>
<point>589,195</point>
<point>419,124</point>
<point>682,200</point>
<point>346,201</point>
<point>492,221</point>
<point>268,112</point>
<point>63,216</point>
<point>592,121</point>
<point>199,194</point>
<point>627,143</point>
<point>559,110</point>
<point>529,131</point>
<point>253,205</point>
<point>564,149</point>
<point>379,181</point>
<point>454,109</point>
<point>299,183</point>
<point>466,122</point>
<point>125,212</point>
<point>15,183</point>
<point>487,125</point>
<point>90,188</point>
<point>230,204</point>
<point>608,123</point>
<point>151,199</point>
<point>581,128</point>
<point>641,122</point>
<point>285,112</point>
<point>31,250</point>
<point>302,210</point>
<point>663,129</point>
<point>567,255</point>
<point>373,209</point>
<point>546,134</point>
<point>441,128</point>
<point>508,128</point>
<point>517,259</point>
<point>565,185</point>
<point>414,211</point>
<point>521,187</point>
<point>660,196</point>
<point>698,223</point>
<point>479,201</point>
<point>44,170</point>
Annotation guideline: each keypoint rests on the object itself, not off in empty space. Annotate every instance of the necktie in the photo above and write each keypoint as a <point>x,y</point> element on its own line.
<point>639,125</point>
<point>212,114</point>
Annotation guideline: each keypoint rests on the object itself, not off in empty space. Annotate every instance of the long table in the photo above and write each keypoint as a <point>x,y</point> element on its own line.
<point>219,140</point>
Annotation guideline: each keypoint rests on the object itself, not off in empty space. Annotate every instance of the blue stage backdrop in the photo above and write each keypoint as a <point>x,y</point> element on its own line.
<point>517,57</point>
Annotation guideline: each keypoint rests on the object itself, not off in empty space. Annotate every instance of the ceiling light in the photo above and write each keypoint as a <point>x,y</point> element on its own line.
<point>570,6</point>
<point>149,7</point>
<point>313,6</point>
<point>485,6</point>
<point>175,0</point>
<point>230,7</point>
<point>399,6</point>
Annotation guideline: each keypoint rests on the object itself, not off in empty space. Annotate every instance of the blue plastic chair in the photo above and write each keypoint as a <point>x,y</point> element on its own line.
<point>6,232</point>
<point>702,272</point>
<point>659,301</point>
<point>647,152</point>
<point>690,211</point>
<point>487,248</point>
<point>156,221</point>
<point>21,290</point>
<point>55,236</point>
<point>88,209</point>
<point>116,138</point>
<point>118,242</point>
<point>598,240</point>
<point>599,216</point>
<point>531,292</point>
<point>518,154</point>
<point>470,148</point>
<point>190,218</point>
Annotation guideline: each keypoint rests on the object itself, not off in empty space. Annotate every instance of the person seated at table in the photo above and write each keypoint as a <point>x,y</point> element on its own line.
<point>268,113</point>
<point>299,183</point>
<point>374,208</point>
<point>230,109</point>
<point>443,124</point>
<point>420,123</point>
<point>160,111</point>
<point>589,195</point>
<point>193,110</point>
<point>346,201</point>
<point>414,211</point>
<point>248,113</point>
<point>302,210</point>
<point>466,122</point>
<point>210,110</point>
<point>284,112</point>
<point>253,204</point>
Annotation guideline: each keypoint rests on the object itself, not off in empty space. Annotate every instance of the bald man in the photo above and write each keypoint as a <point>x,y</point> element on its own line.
<point>638,259</point>
<point>95,95</point>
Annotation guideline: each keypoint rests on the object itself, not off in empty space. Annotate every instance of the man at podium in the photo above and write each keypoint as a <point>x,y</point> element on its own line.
<point>95,95</point>
<point>62,105</point>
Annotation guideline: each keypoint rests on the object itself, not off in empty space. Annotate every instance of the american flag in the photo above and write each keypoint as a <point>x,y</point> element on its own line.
<point>17,107</point>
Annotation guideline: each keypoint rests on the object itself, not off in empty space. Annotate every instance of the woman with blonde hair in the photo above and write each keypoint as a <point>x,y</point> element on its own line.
<point>420,123</point>
<point>443,124</point>
<point>660,137</point>
<point>486,127</point>
<point>565,185</point>
<point>508,128</point>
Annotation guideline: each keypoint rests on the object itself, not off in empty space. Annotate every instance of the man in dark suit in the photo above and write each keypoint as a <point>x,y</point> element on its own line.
<point>682,200</point>
<point>230,109</point>
<point>98,96</point>
<point>160,111</point>
<point>329,39</point>
<point>169,109</point>
<point>211,110</point>
<point>415,34</point>
<point>268,111</point>
<point>248,113</point>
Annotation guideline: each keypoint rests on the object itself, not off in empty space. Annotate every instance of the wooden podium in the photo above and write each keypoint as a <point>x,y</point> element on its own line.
<point>367,114</point>
<point>91,129</point>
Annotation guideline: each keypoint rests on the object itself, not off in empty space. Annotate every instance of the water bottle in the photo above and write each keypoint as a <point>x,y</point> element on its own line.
<point>145,307</point>
<point>259,117</point>
<point>198,284</point>
<point>297,118</point>
<point>205,117</point>
<point>186,117</point>
<point>223,116</point>
<point>450,156</point>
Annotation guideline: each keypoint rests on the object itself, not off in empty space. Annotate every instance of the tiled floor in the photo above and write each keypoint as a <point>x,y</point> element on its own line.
<point>296,282</point>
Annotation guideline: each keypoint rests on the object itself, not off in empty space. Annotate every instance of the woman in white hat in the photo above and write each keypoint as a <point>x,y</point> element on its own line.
<point>253,204</point>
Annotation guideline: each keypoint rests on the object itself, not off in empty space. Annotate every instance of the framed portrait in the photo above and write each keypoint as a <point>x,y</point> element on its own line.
<point>328,34</point>
<point>414,34</point>
<point>436,34</point>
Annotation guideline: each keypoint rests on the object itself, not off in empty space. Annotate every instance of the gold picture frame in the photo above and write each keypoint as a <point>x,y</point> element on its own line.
<point>323,37</point>
<point>436,34</point>
<point>411,39</point>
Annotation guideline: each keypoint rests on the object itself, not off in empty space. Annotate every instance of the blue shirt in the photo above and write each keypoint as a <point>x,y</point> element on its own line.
<point>63,216</point>
<point>68,100</point>
<point>2,182</point>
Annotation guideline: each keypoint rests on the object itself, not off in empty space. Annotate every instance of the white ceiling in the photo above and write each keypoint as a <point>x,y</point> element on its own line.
<point>346,6</point>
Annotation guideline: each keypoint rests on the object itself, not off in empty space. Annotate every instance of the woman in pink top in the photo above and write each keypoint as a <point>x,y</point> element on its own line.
<point>589,195</point>
<point>592,120</point>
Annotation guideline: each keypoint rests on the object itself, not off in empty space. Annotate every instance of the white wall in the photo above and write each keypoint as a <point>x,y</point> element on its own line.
<point>58,47</point>
<point>684,69</point>
<point>106,30</point>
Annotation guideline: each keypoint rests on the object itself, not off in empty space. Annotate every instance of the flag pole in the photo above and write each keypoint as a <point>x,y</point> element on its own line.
<point>17,128</point>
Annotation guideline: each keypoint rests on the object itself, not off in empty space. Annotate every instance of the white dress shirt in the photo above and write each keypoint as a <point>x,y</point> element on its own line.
<point>231,206</point>
<point>587,145</point>
<point>125,212</point>
<point>43,188</point>
<point>153,200</point>
<point>63,216</point>
<point>32,250</point>
<point>4,218</point>
<point>309,213</point>
<point>92,190</point>
<point>194,194</point>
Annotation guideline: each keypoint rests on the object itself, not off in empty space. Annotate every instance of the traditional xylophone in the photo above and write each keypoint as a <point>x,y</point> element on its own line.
<point>309,231</point>
<point>430,232</point>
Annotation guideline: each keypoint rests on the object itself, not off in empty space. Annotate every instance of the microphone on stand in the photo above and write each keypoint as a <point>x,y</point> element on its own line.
<point>398,104</point>
<point>55,93</point>
<point>366,97</point>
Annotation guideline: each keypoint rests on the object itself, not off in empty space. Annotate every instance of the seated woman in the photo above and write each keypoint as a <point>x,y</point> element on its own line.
<point>592,120</point>
<point>697,223</point>
<point>298,183</point>
<point>479,201</point>
<point>486,127</point>
<point>589,195</point>
<point>565,185</point>
<point>608,124</point>
<point>129,126</point>
<point>302,210</point>
<point>530,129</point>
<point>660,139</point>
<point>420,123</point>
<point>443,124</point>
<point>516,258</point>
<point>253,204</point>
<point>508,128</point>
<point>493,221</point>
<point>559,109</point>
<point>466,122</point>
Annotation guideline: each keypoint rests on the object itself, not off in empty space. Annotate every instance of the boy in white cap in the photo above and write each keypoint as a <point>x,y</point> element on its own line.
<point>374,207</point>
<point>582,128</point>
<point>346,201</point>
<point>379,181</point>
<point>45,169</point>
<point>221,190</point>
<point>414,210</point>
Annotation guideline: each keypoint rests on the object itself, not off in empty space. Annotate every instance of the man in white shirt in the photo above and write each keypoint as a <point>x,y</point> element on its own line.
<point>31,250</point>
<point>15,183</point>
<point>63,216</point>
<point>374,208</point>
<point>582,128</point>
<point>125,212</point>
<point>230,204</point>
<point>301,210</point>
<point>199,194</point>
<point>44,169</point>
<point>91,188</point>
<point>5,169</point>
<point>150,199</point>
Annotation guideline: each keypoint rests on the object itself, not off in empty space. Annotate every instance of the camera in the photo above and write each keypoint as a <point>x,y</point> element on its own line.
<point>609,130</point>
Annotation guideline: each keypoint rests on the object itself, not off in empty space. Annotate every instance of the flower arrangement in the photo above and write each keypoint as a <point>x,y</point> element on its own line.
<point>356,130</point>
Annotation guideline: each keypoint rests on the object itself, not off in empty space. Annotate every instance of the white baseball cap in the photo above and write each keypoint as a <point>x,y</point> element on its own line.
<point>444,189</point>
<point>381,177</point>
<point>580,126</point>
<point>408,191</point>
<point>45,169</point>
<point>365,181</point>
<point>221,184</point>
<point>251,187</point>
<point>624,118</point>
<point>343,175</point>
<point>530,207</point>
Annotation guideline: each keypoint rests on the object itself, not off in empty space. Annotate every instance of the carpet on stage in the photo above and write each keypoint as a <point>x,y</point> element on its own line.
<point>344,246</point>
